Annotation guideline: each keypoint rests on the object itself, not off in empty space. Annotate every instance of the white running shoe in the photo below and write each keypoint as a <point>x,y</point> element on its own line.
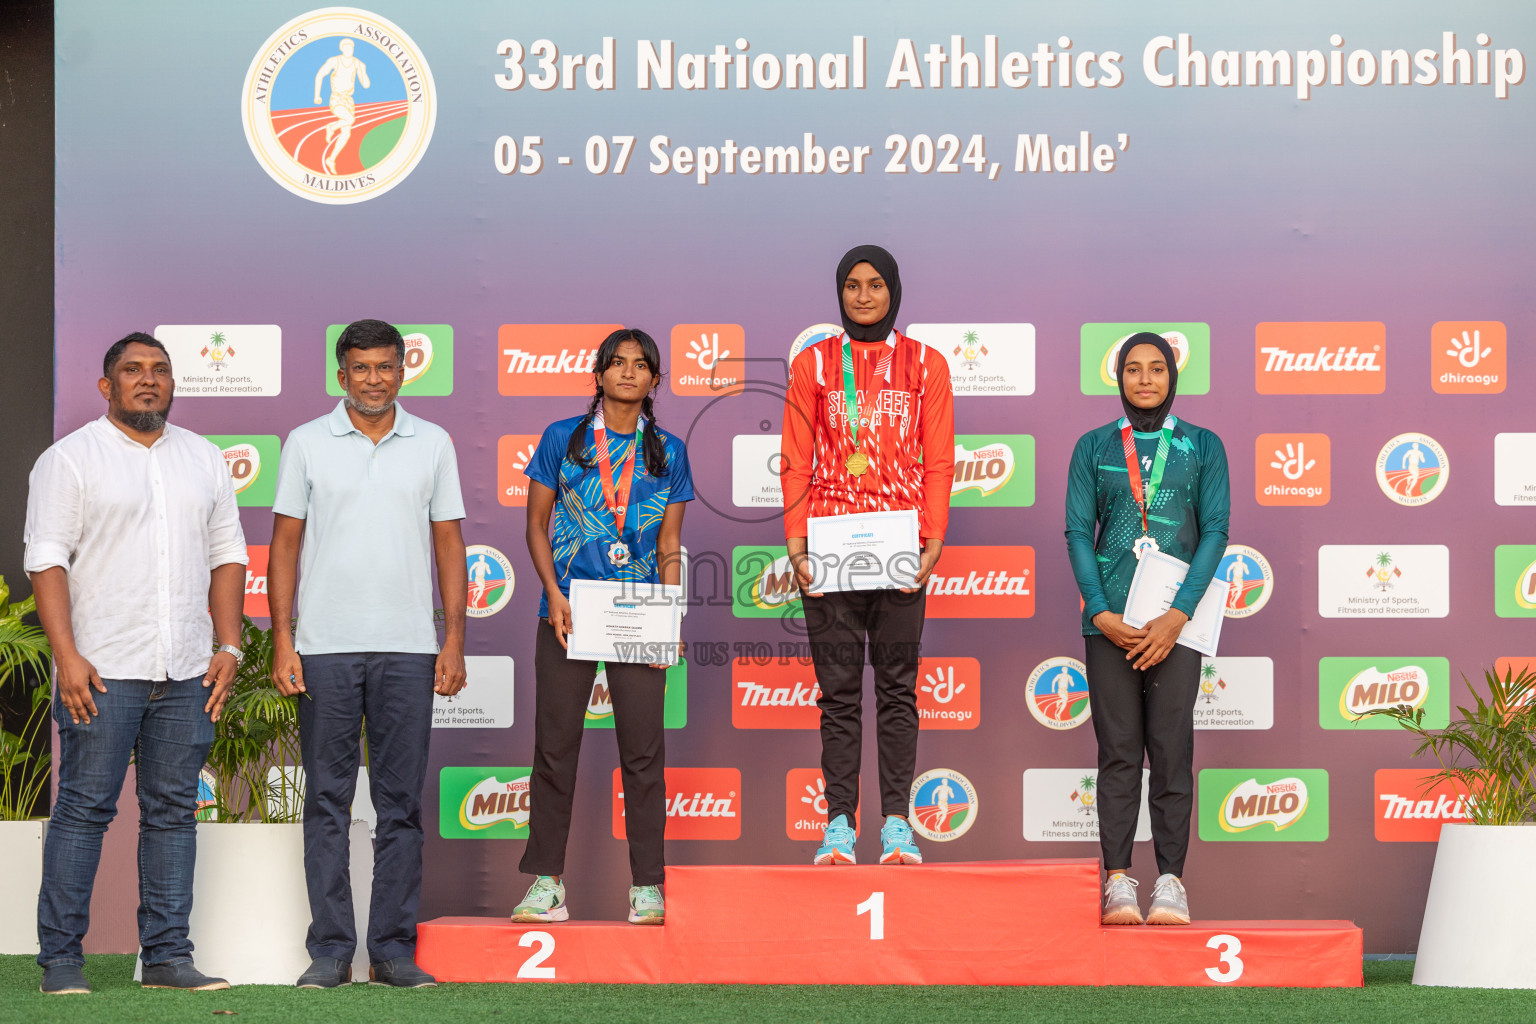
<point>545,902</point>
<point>1120,905</point>
<point>1170,904</point>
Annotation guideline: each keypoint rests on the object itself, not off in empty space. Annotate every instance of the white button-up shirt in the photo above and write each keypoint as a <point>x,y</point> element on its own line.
<point>138,530</point>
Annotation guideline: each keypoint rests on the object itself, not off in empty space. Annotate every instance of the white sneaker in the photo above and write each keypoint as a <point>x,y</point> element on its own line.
<point>1120,905</point>
<point>1170,904</point>
<point>545,902</point>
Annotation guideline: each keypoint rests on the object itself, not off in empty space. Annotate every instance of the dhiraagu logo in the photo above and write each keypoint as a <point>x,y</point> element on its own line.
<point>483,803</point>
<point>428,359</point>
<point>993,470</point>
<point>1191,344</point>
<point>1348,688</point>
<point>252,462</point>
<point>1514,581</point>
<point>674,710</point>
<point>1255,805</point>
<point>763,584</point>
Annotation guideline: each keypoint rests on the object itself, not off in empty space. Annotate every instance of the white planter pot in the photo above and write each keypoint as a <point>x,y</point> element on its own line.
<point>21,853</point>
<point>1480,919</point>
<point>250,910</point>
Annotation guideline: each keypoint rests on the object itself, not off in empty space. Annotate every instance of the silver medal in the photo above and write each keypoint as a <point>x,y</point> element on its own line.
<point>1141,545</point>
<point>618,553</point>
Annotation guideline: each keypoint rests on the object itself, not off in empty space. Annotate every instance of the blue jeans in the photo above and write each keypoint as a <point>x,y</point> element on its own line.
<point>163,726</point>
<point>394,693</point>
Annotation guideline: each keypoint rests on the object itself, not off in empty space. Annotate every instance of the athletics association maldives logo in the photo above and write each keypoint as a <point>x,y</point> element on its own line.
<point>943,805</point>
<point>338,105</point>
<point>1412,469</point>
<point>810,336</point>
<point>1250,580</point>
<point>1057,693</point>
<point>490,580</point>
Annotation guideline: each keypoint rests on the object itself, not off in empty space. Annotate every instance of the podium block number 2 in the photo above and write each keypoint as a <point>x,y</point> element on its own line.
<point>531,968</point>
<point>875,908</point>
<point>1231,964</point>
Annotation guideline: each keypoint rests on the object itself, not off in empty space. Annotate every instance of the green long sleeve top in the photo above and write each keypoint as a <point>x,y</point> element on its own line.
<point>1188,517</point>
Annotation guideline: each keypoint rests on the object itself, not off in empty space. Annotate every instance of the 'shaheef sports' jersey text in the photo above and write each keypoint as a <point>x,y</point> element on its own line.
<point>907,431</point>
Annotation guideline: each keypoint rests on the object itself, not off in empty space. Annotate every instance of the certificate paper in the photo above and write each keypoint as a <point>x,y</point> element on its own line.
<point>624,621</point>
<point>1156,584</point>
<point>864,551</point>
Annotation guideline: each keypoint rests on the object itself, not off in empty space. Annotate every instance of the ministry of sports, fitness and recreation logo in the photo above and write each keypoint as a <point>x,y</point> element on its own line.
<point>1250,580</point>
<point>338,105</point>
<point>1412,469</point>
<point>490,580</point>
<point>810,336</point>
<point>1057,693</point>
<point>943,805</point>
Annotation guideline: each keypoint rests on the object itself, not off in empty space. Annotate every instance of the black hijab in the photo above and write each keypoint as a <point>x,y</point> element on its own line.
<point>885,265</point>
<point>1147,420</point>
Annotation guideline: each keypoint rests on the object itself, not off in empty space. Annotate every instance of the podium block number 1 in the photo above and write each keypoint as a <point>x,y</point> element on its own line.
<point>875,908</point>
<point>1231,964</point>
<point>531,968</point>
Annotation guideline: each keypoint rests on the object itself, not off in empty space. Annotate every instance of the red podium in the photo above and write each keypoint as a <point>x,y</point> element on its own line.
<point>1007,923</point>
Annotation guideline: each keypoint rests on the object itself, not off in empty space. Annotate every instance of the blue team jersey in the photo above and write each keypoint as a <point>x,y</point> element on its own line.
<point>582,528</point>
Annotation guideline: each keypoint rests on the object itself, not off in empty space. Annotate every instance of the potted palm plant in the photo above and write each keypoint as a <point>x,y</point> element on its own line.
<point>25,755</point>
<point>254,934</point>
<point>1479,922</point>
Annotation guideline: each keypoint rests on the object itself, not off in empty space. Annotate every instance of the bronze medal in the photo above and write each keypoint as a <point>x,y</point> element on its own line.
<point>858,463</point>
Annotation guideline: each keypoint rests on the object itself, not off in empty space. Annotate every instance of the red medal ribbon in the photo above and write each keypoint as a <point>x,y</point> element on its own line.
<point>615,497</point>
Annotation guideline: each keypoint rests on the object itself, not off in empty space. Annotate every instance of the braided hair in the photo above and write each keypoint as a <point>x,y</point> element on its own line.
<point>654,448</point>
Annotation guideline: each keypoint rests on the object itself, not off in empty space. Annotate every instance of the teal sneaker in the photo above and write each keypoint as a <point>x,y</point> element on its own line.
<point>646,905</point>
<point>899,846</point>
<point>837,844</point>
<point>545,902</point>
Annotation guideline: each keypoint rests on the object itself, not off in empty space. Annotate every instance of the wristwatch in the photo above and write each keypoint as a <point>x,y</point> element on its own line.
<point>232,649</point>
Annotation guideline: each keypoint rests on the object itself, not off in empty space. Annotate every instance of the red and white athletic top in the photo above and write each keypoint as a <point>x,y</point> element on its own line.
<point>904,394</point>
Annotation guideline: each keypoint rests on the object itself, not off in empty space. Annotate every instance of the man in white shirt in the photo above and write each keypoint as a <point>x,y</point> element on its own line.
<point>132,539</point>
<point>367,502</point>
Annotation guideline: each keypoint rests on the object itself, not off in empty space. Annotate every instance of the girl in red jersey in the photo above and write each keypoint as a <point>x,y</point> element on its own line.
<point>868,426</point>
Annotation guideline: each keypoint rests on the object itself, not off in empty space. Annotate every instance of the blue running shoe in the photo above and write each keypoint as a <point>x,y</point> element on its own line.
<point>837,844</point>
<point>900,847</point>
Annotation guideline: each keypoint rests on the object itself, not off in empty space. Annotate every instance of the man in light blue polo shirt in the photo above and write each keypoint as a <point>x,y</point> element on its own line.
<point>371,495</point>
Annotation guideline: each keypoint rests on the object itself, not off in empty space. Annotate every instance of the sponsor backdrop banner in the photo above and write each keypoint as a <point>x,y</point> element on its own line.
<point>1325,210</point>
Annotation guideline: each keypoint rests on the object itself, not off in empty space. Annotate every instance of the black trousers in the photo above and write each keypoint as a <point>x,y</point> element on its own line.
<point>394,693</point>
<point>838,625</point>
<point>563,689</point>
<point>1151,712</point>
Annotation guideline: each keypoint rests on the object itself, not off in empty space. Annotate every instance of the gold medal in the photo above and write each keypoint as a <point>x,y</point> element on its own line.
<point>858,463</point>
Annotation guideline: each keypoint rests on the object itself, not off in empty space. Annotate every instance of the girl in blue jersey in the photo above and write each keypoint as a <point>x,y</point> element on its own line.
<point>1148,481</point>
<point>615,483</point>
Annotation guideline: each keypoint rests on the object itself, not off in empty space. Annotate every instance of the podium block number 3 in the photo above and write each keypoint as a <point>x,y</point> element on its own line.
<point>1231,964</point>
<point>875,908</point>
<point>531,968</point>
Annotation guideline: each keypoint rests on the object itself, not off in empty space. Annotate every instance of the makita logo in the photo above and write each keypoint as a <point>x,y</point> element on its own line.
<point>983,582</point>
<point>994,583</point>
<point>255,584</point>
<point>1344,358</point>
<point>1411,806</point>
<point>701,805</point>
<point>756,695</point>
<point>1441,808</point>
<point>1338,360</point>
<point>566,361</point>
<point>256,605</point>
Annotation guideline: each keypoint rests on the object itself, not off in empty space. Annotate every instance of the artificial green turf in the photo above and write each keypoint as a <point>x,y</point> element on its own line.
<point>1388,997</point>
